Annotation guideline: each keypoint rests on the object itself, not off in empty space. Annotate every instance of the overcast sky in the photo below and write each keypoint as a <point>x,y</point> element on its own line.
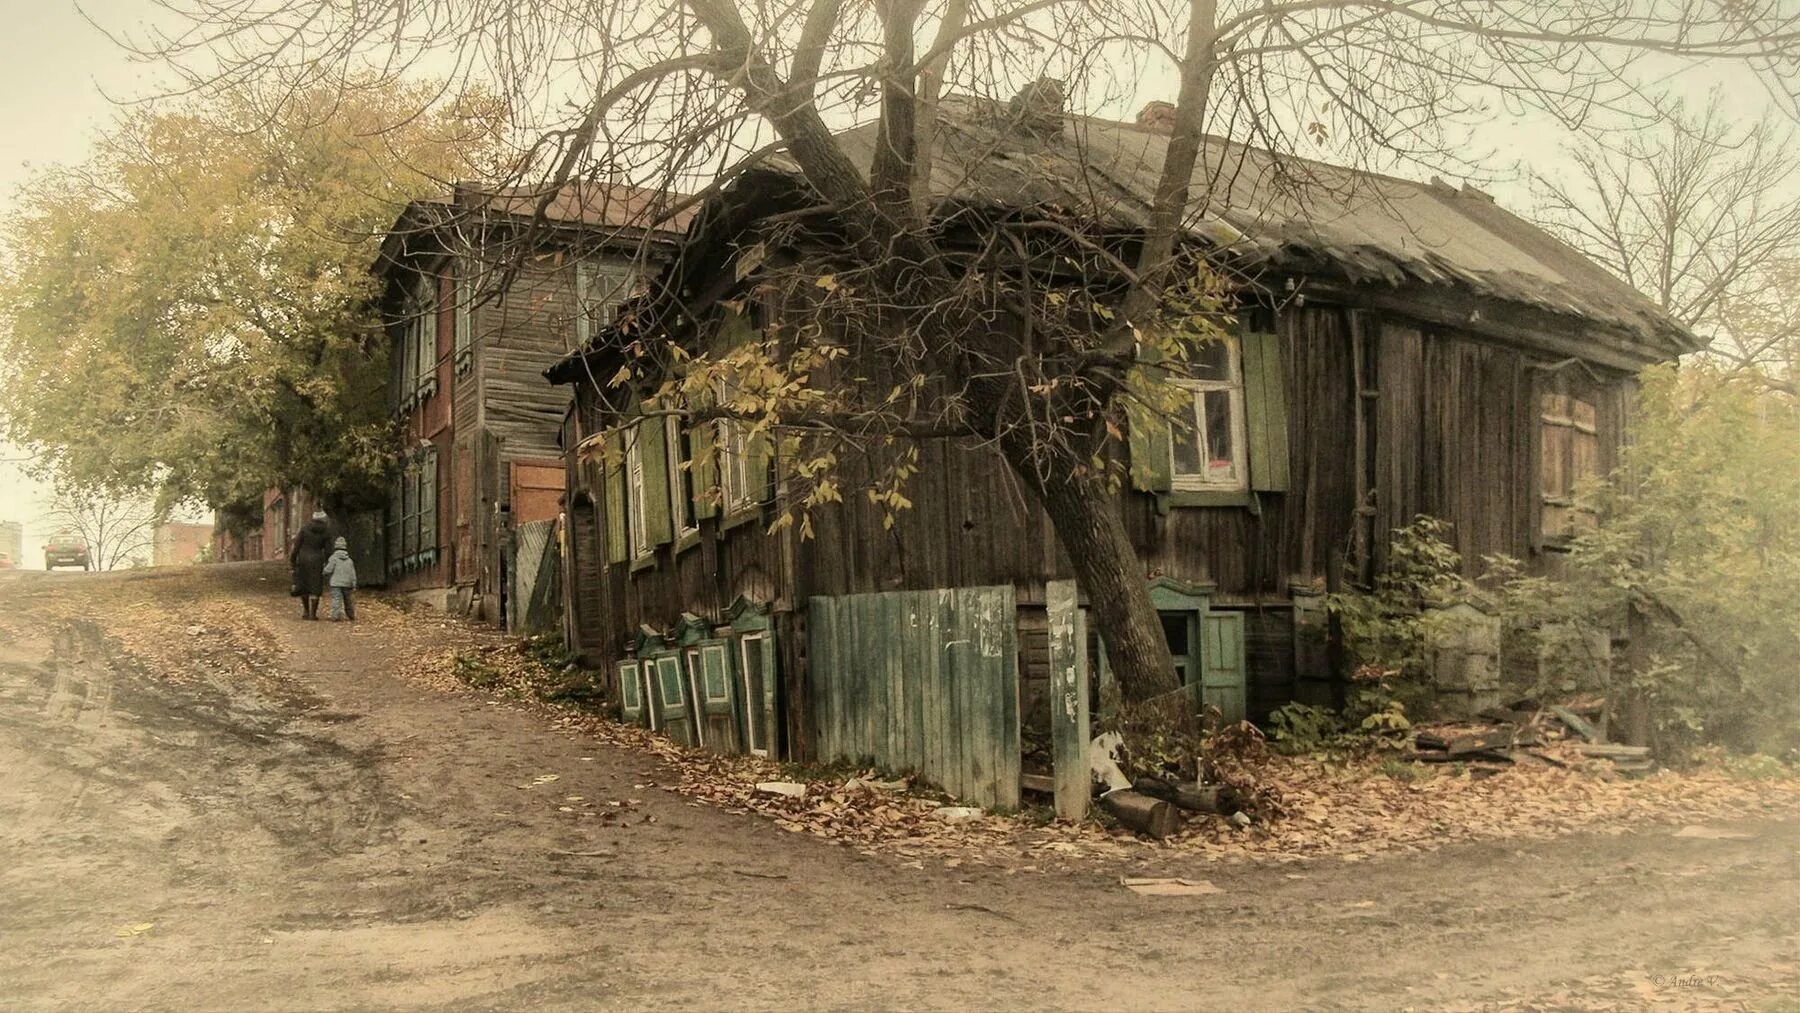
<point>60,77</point>
<point>55,74</point>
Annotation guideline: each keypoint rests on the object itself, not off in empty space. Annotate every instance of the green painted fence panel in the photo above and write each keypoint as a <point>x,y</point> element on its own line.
<point>924,681</point>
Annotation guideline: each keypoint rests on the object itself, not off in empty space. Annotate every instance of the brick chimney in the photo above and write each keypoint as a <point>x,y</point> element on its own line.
<point>1038,108</point>
<point>1158,116</point>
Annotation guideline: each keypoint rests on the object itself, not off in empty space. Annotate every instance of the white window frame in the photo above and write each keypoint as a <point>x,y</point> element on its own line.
<point>1196,409</point>
<point>637,518</point>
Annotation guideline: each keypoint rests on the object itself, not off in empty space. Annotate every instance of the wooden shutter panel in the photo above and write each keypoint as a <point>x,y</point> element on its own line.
<point>1265,412</point>
<point>654,447</point>
<point>757,473</point>
<point>428,504</point>
<point>1149,437</point>
<point>615,497</point>
<point>718,697</point>
<point>631,693</point>
<point>1222,676</point>
<point>706,469</point>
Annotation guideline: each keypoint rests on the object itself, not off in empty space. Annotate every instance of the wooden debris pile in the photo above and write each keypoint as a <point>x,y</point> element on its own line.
<point>1525,733</point>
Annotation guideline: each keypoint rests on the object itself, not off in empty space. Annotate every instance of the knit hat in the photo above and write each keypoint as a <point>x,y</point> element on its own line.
<point>341,543</point>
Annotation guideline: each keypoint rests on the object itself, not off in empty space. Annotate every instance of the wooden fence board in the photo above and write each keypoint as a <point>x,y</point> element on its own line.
<point>923,680</point>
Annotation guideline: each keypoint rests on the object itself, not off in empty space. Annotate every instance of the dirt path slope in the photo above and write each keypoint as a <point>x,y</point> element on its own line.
<point>284,825</point>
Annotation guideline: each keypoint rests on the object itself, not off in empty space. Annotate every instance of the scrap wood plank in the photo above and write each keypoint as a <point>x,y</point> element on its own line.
<point>1613,751</point>
<point>1463,745</point>
<point>1579,725</point>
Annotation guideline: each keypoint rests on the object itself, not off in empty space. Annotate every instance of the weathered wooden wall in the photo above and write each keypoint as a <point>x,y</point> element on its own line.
<point>1451,430</point>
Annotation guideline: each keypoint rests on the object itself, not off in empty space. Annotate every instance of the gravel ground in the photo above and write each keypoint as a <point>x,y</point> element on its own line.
<point>211,805</point>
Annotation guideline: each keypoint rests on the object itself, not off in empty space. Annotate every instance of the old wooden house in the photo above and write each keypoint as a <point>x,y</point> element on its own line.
<point>1402,348</point>
<point>481,290</point>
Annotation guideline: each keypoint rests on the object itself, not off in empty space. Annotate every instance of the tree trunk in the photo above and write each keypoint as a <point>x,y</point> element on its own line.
<point>1634,724</point>
<point>1087,521</point>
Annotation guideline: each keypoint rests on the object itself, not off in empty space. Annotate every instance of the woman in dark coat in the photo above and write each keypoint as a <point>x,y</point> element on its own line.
<point>311,548</point>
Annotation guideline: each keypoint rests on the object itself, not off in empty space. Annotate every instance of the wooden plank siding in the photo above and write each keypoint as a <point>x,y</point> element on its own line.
<point>1454,426</point>
<point>923,681</point>
<point>496,412</point>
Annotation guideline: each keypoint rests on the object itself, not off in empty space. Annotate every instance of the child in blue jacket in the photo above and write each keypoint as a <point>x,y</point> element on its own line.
<point>340,573</point>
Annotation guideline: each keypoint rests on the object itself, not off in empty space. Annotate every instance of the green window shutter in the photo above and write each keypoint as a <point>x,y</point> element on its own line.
<point>706,469</point>
<point>654,434</point>
<point>1265,411</point>
<point>615,498</point>
<point>1149,436</point>
<point>631,695</point>
<point>1222,673</point>
<point>758,456</point>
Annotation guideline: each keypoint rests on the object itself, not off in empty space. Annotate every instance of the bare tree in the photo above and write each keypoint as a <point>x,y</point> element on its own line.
<point>117,532</point>
<point>990,340</point>
<point>1701,214</point>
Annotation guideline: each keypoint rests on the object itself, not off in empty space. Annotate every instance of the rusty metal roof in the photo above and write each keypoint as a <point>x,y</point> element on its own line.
<point>606,205</point>
<point>1261,209</point>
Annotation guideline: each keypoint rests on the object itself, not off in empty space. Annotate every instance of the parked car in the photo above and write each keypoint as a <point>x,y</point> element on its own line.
<point>66,550</point>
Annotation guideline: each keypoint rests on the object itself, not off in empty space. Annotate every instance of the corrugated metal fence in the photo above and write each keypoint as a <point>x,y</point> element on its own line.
<point>924,681</point>
<point>534,604</point>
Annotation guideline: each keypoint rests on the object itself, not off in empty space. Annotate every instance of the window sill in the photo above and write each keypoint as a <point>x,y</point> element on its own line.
<point>1206,498</point>
<point>643,563</point>
<point>688,540</point>
<point>740,516</point>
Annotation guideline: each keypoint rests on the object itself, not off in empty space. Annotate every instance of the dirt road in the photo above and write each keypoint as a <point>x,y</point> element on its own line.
<point>277,822</point>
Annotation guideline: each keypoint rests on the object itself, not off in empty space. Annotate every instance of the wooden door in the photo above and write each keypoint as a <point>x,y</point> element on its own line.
<point>462,467</point>
<point>1222,665</point>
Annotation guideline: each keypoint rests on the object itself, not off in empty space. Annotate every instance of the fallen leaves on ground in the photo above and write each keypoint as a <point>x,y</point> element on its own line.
<point>1347,810</point>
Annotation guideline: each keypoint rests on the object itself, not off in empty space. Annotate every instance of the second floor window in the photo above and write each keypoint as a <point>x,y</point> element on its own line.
<point>598,291</point>
<point>1206,447</point>
<point>419,350</point>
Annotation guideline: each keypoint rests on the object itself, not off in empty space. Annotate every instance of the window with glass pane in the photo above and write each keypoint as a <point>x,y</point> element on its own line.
<point>1207,438</point>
